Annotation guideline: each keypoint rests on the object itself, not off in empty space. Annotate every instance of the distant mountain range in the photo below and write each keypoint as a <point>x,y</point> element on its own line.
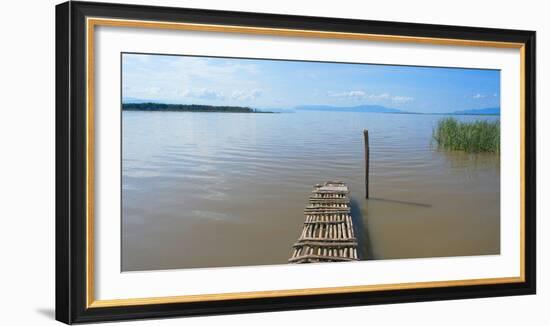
<point>486,111</point>
<point>383,109</point>
<point>358,108</point>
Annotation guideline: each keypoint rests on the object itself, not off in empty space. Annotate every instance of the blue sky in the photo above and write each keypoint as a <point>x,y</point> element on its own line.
<point>286,84</point>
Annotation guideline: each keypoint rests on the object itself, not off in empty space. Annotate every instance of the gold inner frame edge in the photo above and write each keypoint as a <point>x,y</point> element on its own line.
<point>91,22</point>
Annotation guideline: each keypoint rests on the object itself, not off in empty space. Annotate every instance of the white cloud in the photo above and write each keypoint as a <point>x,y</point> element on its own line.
<point>348,94</point>
<point>212,68</point>
<point>182,79</point>
<point>210,94</point>
<point>251,95</point>
<point>383,96</point>
<point>402,99</point>
<point>203,94</point>
<point>153,91</point>
<point>479,96</point>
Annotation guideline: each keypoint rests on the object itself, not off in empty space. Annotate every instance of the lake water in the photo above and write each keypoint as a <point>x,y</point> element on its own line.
<point>229,189</point>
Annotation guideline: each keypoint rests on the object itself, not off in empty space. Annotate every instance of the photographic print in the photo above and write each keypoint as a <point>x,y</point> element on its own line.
<point>213,162</point>
<point>245,162</point>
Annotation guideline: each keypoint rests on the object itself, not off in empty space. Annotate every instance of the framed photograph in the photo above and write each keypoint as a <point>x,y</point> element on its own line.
<point>214,162</point>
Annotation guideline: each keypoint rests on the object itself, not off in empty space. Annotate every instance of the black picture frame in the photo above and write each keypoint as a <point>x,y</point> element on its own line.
<point>71,158</point>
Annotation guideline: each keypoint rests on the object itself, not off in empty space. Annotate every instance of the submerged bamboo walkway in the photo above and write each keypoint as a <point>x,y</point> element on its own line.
<point>328,234</point>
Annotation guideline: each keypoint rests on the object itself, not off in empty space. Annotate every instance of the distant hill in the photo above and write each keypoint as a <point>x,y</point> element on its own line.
<point>187,108</point>
<point>486,111</point>
<point>359,108</point>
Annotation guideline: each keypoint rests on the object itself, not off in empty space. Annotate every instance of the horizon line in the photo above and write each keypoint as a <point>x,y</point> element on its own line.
<point>335,108</point>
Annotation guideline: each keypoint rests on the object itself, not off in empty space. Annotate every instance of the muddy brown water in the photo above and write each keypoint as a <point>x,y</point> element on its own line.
<point>229,189</point>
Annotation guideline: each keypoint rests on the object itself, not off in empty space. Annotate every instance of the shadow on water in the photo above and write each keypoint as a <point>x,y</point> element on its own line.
<point>364,250</point>
<point>400,202</point>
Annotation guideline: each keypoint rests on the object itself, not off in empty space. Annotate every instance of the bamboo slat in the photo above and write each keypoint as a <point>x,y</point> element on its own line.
<point>327,235</point>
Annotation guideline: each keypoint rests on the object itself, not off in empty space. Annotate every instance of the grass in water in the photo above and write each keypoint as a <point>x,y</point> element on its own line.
<point>471,137</point>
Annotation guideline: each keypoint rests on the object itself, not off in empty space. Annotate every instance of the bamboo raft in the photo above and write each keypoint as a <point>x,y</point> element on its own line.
<point>328,234</point>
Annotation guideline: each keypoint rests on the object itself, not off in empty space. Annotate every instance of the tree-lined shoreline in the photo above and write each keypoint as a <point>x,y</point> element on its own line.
<point>187,108</point>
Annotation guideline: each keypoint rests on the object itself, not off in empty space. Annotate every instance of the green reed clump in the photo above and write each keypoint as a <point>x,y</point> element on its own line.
<point>471,137</point>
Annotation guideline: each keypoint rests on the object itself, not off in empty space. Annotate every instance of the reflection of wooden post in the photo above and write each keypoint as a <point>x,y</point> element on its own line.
<point>366,134</point>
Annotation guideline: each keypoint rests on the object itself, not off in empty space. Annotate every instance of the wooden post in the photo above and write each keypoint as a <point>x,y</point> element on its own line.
<point>366,134</point>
